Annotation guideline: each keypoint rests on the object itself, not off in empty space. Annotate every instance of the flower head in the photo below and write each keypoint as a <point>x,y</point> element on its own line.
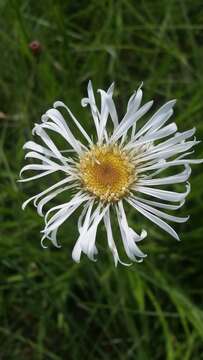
<point>122,165</point>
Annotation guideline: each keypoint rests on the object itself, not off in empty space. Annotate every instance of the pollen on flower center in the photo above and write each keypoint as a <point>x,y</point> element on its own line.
<point>107,172</point>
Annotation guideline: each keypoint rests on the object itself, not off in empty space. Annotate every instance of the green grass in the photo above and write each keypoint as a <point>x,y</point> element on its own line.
<point>51,308</point>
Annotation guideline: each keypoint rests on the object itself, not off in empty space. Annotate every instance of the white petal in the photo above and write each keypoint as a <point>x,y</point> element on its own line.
<point>91,101</point>
<point>63,214</point>
<point>158,119</point>
<point>44,159</point>
<point>128,122</point>
<point>135,101</point>
<point>133,105</point>
<point>174,179</point>
<point>108,101</point>
<point>46,139</point>
<point>51,196</point>
<point>57,119</point>
<point>67,168</point>
<point>162,224</point>
<point>76,253</point>
<point>129,236</point>
<point>82,130</point>
<point>103,115</point>
<point>166,153</point>
<point>165,164</point>
<point>38,167</point>
<point>160,213</point>
<point>111,242</point>
<point>65,133</point>
<point>86,240</point>
<point>177,138</point>
<point>158,204</point>
<point>160,134</point>
<point>37,176</point>
<point>40,149</point>
<point>83,226</point>
<point>53,238</point>
<point>164,194</point>
<point>79,198</point>
<point>37,196</point>
<point>107,108</point>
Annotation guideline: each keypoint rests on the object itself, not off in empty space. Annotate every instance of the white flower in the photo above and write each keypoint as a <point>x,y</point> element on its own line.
<point>122,165</point>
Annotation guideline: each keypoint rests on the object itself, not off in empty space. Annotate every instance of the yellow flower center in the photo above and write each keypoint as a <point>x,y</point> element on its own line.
<point>107,172</point>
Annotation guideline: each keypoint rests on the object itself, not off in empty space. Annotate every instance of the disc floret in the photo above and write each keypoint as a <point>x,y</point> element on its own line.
<point>107,172</point>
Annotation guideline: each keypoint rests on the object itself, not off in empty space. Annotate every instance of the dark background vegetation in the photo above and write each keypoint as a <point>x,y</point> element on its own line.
<point>50,307</point>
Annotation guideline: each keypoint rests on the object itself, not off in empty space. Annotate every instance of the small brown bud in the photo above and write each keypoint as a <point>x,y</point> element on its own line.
<point>35,47</point>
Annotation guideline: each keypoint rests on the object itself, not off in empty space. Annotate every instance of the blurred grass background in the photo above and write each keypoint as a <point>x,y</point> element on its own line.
<point>51,308</point>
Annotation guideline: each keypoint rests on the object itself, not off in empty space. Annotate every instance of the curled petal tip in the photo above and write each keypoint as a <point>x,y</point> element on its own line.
<point>58,104</point>
<point>58,246</point>
<point>42,243</point>
<point>44,117</point>
<point>84,102</point>
<point>139,260</point>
